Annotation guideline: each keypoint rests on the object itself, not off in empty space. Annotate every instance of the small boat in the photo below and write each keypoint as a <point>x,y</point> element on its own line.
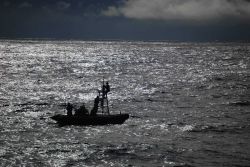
<point>83,117</point>
<point>99,119</point>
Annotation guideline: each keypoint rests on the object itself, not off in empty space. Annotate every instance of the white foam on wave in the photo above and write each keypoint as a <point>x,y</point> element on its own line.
<point>33,114</point>
<point>2,151</point>
<point>186,128</point>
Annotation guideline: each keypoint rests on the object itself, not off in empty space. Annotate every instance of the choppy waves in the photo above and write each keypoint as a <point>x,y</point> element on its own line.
<point>188,102</point>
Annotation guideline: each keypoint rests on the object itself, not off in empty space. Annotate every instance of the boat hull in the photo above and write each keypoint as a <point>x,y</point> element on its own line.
<point>85,120</point>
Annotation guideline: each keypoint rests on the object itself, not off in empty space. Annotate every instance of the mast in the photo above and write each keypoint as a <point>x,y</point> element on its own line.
<point>104,99</point>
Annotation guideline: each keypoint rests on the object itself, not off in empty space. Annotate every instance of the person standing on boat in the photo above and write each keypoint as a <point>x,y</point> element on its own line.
<point>107,88</point>
<point>69,109</point>
<point>95,108</point>
<point>102,95</point>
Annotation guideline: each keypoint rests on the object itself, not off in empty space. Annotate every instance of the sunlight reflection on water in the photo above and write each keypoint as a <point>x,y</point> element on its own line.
<point>177,94</point>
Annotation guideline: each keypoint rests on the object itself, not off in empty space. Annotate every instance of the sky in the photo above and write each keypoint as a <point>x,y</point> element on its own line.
<point>147,20</point>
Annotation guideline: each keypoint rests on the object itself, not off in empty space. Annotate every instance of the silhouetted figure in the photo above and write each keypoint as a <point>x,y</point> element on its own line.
<point>103,96</point>
<point>95,108</point>
<point>81,111</point>
<point>103,90</point>
<point>107,88</point>
<point>69,109</point>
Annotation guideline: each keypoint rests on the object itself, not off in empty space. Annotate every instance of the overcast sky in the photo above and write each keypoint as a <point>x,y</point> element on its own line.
<point>179,20</point>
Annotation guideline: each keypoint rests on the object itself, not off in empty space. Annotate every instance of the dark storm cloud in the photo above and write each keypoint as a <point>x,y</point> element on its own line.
<point>6,3</point>
<point>63,5</point>
<point>25,5</point>
<point>54,18</point>
<point>80,4</point>
<point>125,19</point>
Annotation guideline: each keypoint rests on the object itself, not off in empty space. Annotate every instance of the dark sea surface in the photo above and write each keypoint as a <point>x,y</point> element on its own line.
<point>189,103</point>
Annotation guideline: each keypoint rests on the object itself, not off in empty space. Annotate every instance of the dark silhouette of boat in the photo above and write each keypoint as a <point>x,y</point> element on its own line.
<point>101,119</point>
<point>83,117</point>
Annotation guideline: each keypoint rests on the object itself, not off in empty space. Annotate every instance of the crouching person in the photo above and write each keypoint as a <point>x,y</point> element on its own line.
<point>81,111</point>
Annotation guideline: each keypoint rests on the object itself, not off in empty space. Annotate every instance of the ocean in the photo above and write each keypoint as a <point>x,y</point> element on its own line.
<point>189,103</point>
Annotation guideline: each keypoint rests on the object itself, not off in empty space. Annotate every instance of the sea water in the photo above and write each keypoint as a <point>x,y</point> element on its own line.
<point>189,103</point>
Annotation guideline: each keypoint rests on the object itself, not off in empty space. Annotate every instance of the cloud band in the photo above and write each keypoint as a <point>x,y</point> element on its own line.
<point>197,10</point>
